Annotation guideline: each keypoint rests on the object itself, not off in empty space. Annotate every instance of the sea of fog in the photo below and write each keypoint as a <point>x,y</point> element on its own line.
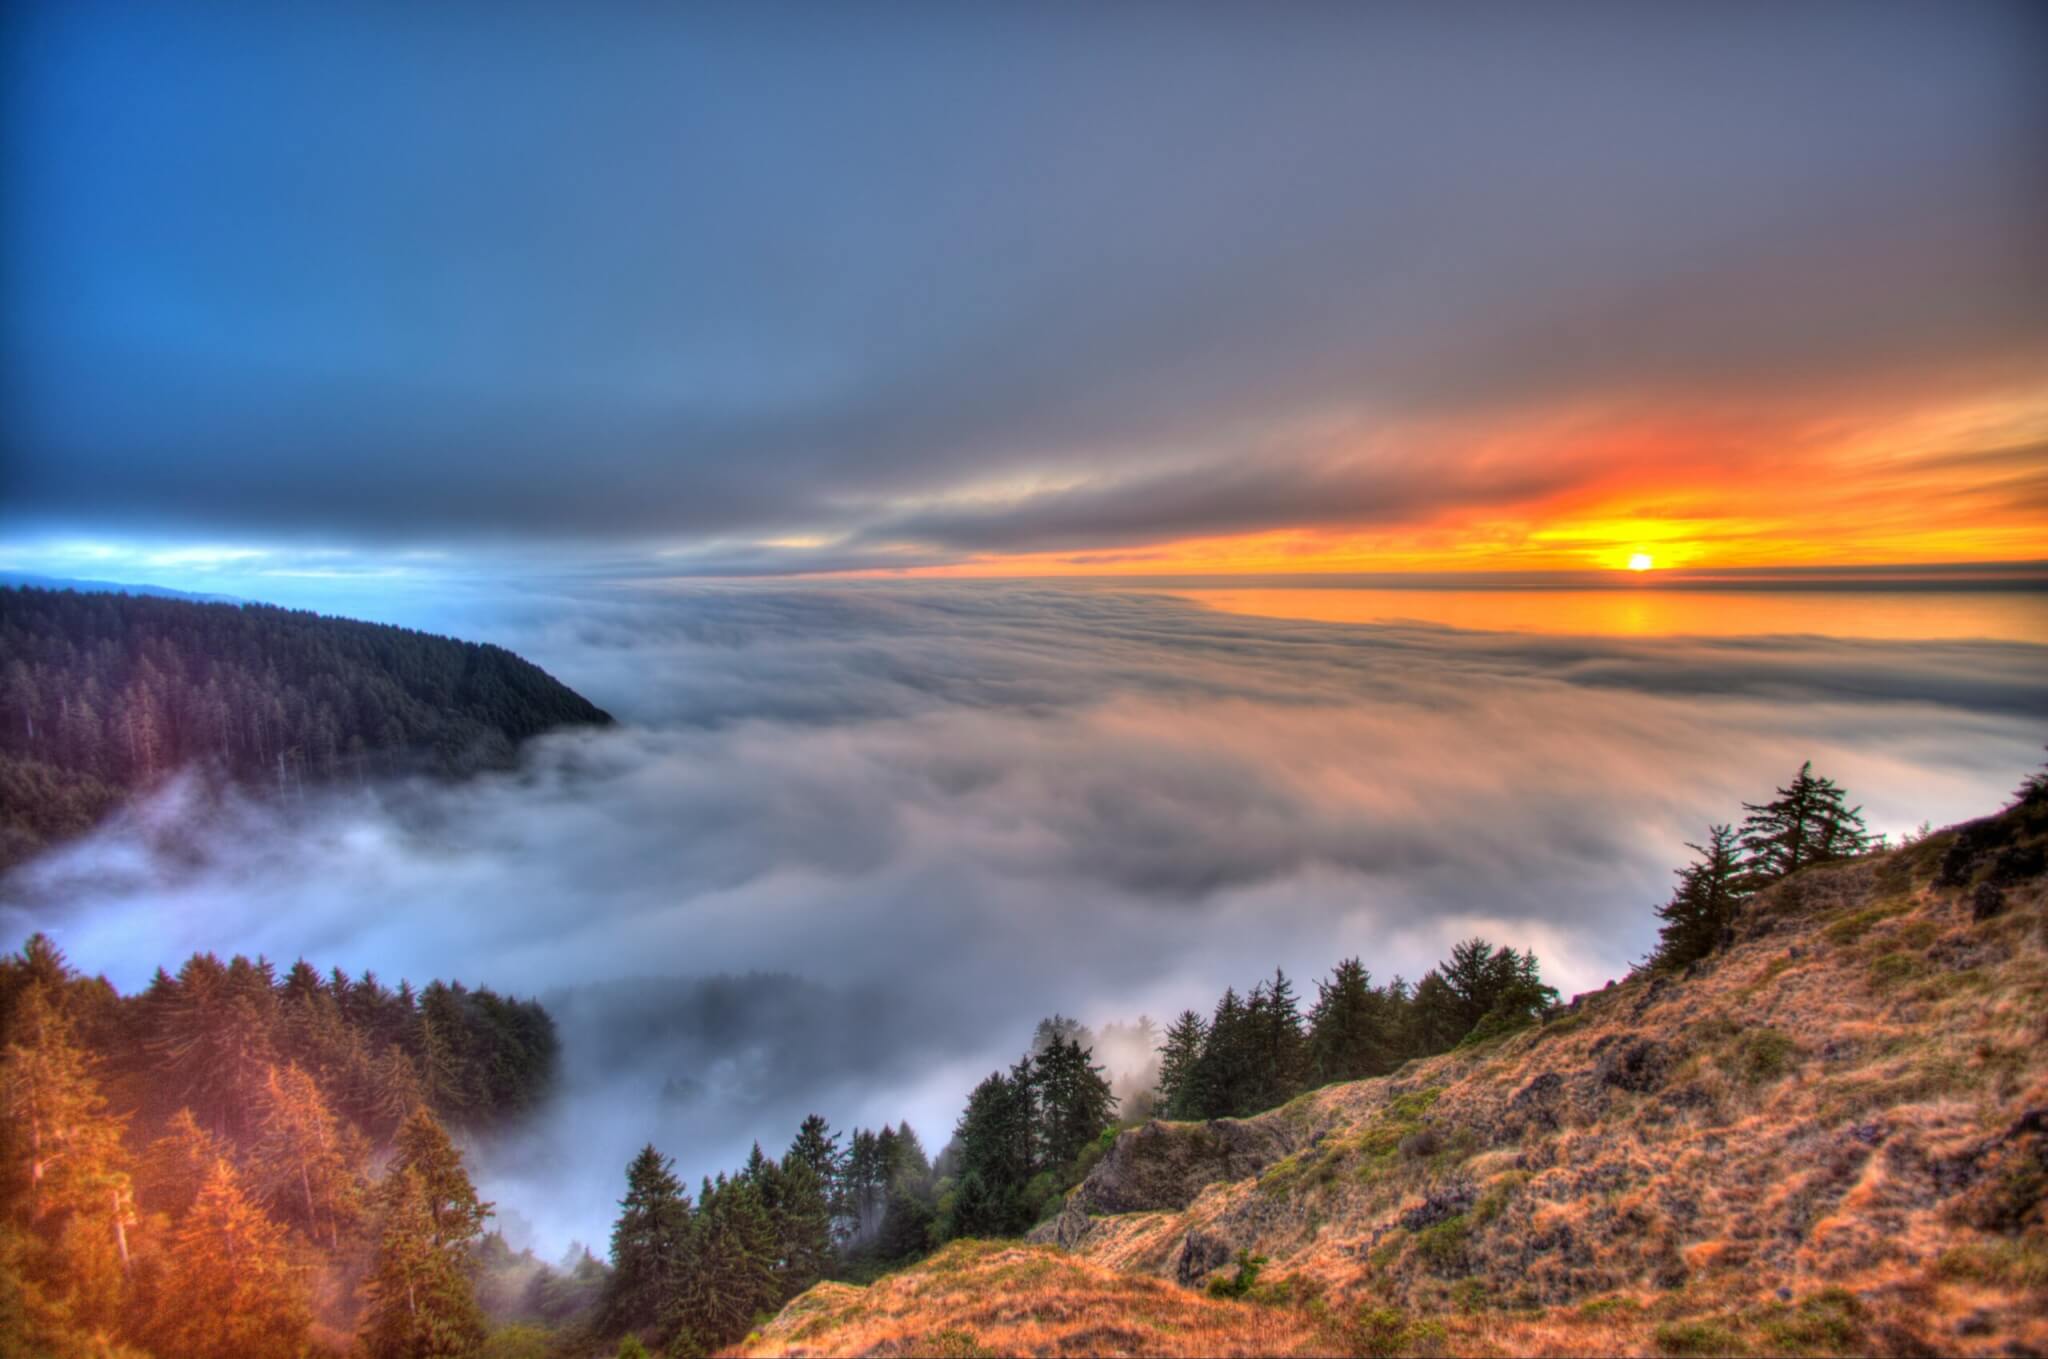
<point>849,841</point>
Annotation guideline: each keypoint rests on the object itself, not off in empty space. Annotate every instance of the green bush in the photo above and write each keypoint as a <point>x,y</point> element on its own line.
<point>1442,1247</point>
<point>1702,1338</point>
<point>1241,1283</point>
<point>1762,1055</point>
<point>1830,1322</point>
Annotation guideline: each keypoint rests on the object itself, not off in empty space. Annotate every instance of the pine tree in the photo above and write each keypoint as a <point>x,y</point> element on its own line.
<point>1180,1061</point>
<point>1808,822</point>
<point>1472,974</point>
<point>302,1159</point>
<point>1226,1075</point>
<point>998,1141</point>
<point>66,1166</point>
<point>1058,1028</point>
<point>731,1275</point>
<point>1700,911</point>
<point>418,1301</point>
<point>457,1214</point>
<point>864,1180</point>
<point>801,1217</point>
<point>817,1146</point>
<point>1515,995</point>
<point>1075,1101</point>
<point>176,1165</point>
<point>650,1243</point>
<point>1437,1016</point>
<point>228,1286</point>
<point>1279,1049</point>
<point>1348,1029</point>
<point>907,1221</point>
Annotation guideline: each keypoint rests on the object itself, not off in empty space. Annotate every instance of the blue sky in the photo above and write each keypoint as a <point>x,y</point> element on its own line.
<point>797,288</point>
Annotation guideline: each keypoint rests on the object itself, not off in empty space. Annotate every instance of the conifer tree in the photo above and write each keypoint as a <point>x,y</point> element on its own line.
<point>176,1165</point>
<point>801,1218</point>
<point>419,1300</point>
<point>1180,1061</point>
<point>650,1243</point>
<point>864,1180</point>
<point>1437,1016</point>
<point>1809,822</point>
<point>998,1138</point>
<point>227,1285</point>
<point>1701,909</point>
<point>66,1166</point>
<point>1515,995</point>
<point>1348,1029</point>
<point>1225,1075</point>
<point>456,1213</point>
<point>1075,1101</point>
<point>731,1274</point>
<point>302,1158</point>
<point>817,1146</point>
<point>1280,1050</point>
<point>907,1222</point>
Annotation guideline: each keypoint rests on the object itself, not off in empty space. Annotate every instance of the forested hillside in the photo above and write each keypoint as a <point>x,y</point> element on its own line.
<point>230,1162</point>
<point>102,694</point>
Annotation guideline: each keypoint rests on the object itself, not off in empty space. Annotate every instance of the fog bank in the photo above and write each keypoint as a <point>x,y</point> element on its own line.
<point>938,813</point>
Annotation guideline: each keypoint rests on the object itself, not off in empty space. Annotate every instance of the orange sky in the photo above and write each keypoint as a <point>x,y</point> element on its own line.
<point>1933,477</point>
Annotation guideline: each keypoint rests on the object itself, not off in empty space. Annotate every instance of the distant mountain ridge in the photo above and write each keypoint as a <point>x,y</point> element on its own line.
<point>29,580</point>
<point>103,694</point>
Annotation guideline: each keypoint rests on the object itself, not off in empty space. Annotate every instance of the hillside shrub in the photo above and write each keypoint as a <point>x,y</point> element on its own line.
<point>1383,1332</point>
<point>1240,1283</point>
<point>1703,1338</point>
<point>1762,1055</point>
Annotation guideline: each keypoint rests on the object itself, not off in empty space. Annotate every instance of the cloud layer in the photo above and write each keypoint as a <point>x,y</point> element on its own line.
<point>954,809</point>
<point>923,286</point>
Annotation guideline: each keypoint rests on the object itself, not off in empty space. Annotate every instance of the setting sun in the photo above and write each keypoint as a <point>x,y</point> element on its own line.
<point>1641,561</point>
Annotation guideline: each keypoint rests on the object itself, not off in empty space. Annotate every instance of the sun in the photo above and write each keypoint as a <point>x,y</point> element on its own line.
<point>1641,561</point>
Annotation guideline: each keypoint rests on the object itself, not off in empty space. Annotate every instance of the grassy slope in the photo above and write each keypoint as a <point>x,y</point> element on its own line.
<point>1830,1139</point>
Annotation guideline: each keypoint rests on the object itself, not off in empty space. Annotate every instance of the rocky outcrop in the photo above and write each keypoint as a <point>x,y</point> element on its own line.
<point>1200,1254</point>
<point>1163,1166</point>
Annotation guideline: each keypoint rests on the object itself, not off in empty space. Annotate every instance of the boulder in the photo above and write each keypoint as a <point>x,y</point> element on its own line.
<point>1163,1166</point>
<point>1200,1255</point>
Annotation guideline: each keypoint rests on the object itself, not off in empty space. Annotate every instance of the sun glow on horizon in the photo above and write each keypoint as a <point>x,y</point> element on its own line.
<point>1641,561</point>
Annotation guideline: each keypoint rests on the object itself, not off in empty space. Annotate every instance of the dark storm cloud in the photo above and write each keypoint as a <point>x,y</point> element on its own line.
<point>413,272</point>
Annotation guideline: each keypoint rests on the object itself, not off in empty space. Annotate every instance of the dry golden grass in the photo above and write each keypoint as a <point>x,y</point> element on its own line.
<point>1003,1298</point>
<point>1826,1152</point>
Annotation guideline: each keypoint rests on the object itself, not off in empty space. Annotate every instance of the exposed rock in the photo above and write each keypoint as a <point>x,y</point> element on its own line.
<point>1164,1165</point>
<point>1987,901</point>
<point>1440,1205</point>
<point>1200,1255</point>
<point>1535,1107</point>
<point>1638,1065</point>
<point>1654,992</point>
<point>2018,863</point>
<point>1421,1145</point>
<point>1066,1231</point>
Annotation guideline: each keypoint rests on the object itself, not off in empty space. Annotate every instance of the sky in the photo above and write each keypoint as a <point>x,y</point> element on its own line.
<point>1017,291</point>
<point>764,373</point>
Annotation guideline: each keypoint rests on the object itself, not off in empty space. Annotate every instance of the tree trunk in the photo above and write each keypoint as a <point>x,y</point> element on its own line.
<point>120,1230</point>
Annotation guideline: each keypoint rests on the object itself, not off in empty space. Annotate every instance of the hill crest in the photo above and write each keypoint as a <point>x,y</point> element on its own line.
<point>1829,1137</point>
<point>104,694</point>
